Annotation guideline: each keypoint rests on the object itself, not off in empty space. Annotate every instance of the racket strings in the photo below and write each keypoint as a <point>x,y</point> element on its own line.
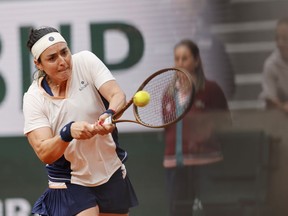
<point>170,97</point>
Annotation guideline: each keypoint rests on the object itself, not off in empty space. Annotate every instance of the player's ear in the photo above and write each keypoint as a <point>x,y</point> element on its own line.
<point>38,65</point>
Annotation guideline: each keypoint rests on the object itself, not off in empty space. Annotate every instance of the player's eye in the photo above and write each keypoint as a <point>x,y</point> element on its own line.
<point>64,52</point>
<point>51,58</point>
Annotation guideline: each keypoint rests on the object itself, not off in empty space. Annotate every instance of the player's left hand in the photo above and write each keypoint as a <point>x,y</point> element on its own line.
<point>103,128</point>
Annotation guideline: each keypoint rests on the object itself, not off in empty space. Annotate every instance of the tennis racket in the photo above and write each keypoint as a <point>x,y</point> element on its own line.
<point>171,93</point>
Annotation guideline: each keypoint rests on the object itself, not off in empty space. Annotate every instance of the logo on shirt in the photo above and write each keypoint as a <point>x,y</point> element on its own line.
<point>83,85</point>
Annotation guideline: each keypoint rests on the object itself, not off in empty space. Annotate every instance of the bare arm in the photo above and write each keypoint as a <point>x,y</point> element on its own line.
<point>113,94</point>
<point>47,147</point>
<point>116,98</point>
<point>50,148</point>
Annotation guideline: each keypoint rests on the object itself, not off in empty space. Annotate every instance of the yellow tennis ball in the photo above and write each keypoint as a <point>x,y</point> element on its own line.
<point>141,98</point>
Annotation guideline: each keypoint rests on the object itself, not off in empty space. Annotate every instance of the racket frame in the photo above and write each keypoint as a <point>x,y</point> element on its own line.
<point>114,119</point>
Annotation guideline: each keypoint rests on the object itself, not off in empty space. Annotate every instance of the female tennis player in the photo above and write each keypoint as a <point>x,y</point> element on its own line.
<point>64,109</point>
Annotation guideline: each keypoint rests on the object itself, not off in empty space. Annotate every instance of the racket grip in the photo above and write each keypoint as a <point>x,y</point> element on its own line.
<point>108,120</point>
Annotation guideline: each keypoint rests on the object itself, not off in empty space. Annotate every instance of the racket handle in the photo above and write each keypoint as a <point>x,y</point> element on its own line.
<point>108,120</point>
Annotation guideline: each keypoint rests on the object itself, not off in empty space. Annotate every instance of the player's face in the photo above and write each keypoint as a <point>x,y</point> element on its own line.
<point>56,61</point>
<point>282,40</point>
<point>183,58</point>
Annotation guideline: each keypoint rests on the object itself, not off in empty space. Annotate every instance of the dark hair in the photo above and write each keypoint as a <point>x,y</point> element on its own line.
<point>36,34</point>
<point>196,54</point>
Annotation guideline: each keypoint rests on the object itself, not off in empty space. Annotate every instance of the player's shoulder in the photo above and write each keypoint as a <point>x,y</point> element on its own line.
<point>84,54</point>
<point>33,92</point>
<point>85,57</point>
<point>33,88</point>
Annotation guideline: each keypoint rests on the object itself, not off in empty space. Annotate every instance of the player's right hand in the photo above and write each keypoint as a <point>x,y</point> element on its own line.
<point>83,130</point>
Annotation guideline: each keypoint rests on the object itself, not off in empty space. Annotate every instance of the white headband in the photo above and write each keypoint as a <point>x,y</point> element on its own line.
<point>45,42</point>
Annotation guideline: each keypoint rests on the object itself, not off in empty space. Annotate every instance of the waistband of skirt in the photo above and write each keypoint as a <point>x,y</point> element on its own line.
<point>57,185</point>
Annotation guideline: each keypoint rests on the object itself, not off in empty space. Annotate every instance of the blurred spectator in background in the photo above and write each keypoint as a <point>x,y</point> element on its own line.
<point>201,15</point>
<point>275,71</point>
<point>191,143</point>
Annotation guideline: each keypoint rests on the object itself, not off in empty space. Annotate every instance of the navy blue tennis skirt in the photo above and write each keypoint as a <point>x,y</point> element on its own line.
<point>116,196</point>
